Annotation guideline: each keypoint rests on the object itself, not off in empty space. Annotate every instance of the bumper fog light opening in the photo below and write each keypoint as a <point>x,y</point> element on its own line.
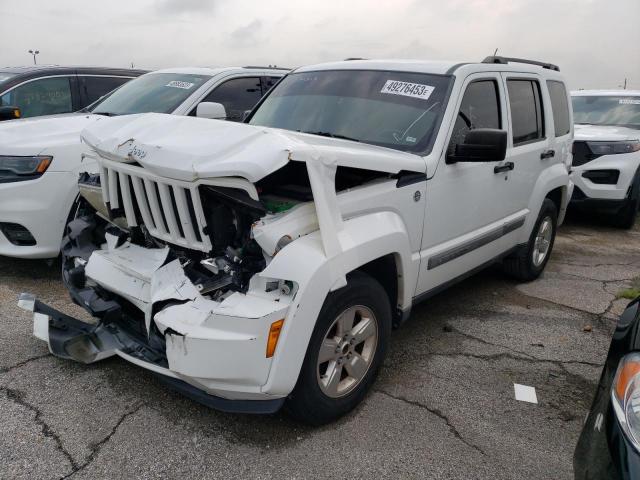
<point>17,234</point>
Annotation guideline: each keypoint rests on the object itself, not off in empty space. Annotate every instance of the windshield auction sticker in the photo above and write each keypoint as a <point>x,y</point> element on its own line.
<point>179,84</point>
<point>629,101</point>
<point>415,90</point>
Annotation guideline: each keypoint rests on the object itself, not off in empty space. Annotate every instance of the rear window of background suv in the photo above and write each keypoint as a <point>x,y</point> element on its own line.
<point>559,107</point>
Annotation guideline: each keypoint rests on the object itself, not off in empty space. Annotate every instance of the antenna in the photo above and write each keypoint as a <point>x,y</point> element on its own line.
<point>495,52</point>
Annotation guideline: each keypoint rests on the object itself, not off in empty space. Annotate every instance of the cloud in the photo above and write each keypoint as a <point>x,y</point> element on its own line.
<point>246,35</point>
<point>596,43</point>
<point>181,7</point>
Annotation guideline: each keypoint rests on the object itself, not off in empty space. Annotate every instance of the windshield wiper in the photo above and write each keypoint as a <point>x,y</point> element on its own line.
<point>106,114</point>
<point>331,135</point>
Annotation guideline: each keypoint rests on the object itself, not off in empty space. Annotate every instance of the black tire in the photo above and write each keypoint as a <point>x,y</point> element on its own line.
<point>308,403</point>
<point>626,217</point>
<point>521,264</point>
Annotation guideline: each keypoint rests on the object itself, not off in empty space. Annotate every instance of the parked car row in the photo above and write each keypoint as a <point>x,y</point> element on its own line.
<point>40,158</point>
<point>49,90</point>
<point>263,262</point>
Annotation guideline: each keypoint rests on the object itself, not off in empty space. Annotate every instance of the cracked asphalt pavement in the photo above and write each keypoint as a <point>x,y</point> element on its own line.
<point>442,408</point>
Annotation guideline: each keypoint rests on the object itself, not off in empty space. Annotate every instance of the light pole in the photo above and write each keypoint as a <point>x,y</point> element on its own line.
<point>34,53</point>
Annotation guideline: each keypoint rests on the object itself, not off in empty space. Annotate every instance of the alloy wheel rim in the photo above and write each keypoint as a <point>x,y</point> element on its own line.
<point>347,351</point>
<point>543,241</point>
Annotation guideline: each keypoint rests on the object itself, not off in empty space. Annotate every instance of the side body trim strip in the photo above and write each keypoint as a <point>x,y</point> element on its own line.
<point>460,250</point>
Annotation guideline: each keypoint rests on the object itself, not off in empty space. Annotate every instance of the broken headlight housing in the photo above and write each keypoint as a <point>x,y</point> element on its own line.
<point>15,169</point>
<point>625,396</point>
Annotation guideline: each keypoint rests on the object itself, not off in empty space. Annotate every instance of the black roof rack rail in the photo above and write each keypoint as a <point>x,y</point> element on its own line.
<point>270,67</point>
<point>350,59</point>
<point>505,60</point>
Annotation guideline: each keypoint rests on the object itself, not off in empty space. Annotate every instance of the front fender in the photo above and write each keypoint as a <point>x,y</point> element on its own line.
<point>556,176</point>
<point>362,240</point>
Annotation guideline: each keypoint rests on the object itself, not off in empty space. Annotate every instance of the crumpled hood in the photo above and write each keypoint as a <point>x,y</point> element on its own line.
<point>32,136</point>
<point>190,148</point>
<point>605,133</point>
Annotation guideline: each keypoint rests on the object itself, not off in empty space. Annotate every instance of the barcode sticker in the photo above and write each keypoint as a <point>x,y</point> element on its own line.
<point>629,101</point>
<point>179,84</point>
<point>415,90</point>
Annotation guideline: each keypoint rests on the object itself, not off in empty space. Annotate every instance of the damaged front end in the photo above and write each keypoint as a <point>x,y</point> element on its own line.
<point>170,271</point>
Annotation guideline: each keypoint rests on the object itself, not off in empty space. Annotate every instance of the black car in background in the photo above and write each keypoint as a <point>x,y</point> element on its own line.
<point>609,445</point>
<point>48,90</point>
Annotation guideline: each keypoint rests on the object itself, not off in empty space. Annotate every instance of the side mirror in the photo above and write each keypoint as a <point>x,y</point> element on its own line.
<point>211,110</point>
<point>10,113</point>
<point>481,145</point>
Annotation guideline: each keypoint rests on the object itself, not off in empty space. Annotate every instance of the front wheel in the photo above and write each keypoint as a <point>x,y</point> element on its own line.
<point>529,261</point>
<point>345,352</point>
<point>626,217</point>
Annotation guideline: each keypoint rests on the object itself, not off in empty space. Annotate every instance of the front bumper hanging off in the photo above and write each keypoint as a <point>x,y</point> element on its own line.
<point>73,339</point>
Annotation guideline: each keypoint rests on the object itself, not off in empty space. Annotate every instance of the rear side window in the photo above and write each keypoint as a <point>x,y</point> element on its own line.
<point>268,82</point>
<point>480,108</point>
<point>95,87</point>
<point>526,111</point>
<point>237,95</point>
<point>46,96</point>
<point>559,106</point>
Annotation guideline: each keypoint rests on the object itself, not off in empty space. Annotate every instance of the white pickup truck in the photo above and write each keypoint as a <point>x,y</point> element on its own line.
<point>264,264</point>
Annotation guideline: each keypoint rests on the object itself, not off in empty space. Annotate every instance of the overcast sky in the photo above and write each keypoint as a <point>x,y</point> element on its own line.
<point>596,43</point>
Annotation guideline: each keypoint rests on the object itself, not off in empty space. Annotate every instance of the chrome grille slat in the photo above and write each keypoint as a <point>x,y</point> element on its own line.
<point>143,204</point>
<point>113,189</point>
<point>104,175</point>
<point>167,209</point>
<point>125,188</point>
<point>183,213</point>
<point>154,203</point>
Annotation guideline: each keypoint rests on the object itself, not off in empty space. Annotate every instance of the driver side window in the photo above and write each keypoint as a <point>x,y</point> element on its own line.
<point>480,108</point>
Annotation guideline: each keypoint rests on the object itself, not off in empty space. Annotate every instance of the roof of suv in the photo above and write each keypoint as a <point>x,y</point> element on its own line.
<point>441,67</point>
<point>606,93</point>
<point>42,70</point>
<point>217,70</point>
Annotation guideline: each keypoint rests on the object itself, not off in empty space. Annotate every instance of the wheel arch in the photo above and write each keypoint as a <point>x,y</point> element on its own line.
<point>553,183</point>
<point>385,271</point>
<point>375,243</point>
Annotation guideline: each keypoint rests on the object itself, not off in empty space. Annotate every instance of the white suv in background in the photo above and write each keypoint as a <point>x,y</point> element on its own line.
<point>255,264</point>
<point>606,153</point>
<point>41,158</point>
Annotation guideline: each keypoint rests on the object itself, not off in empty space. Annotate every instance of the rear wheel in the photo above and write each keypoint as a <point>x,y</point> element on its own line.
<point>528,262</point>
<point>345,352</point>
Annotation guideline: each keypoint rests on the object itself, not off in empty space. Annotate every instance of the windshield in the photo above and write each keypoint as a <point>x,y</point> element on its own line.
<point>153,92</point>
<point>607,110</point>
<point>391,109</point>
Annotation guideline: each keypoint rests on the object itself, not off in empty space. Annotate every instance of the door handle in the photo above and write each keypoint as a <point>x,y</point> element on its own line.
<point>547,154</point>
<point>505,167</point>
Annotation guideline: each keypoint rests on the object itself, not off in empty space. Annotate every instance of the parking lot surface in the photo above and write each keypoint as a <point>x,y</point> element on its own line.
<point>442,408</point>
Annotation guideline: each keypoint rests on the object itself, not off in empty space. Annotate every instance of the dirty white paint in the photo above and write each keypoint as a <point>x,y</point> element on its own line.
<point>525,393</point>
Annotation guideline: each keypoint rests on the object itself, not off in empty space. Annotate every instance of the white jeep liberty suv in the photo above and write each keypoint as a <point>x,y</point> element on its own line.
<point>264,264</point>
